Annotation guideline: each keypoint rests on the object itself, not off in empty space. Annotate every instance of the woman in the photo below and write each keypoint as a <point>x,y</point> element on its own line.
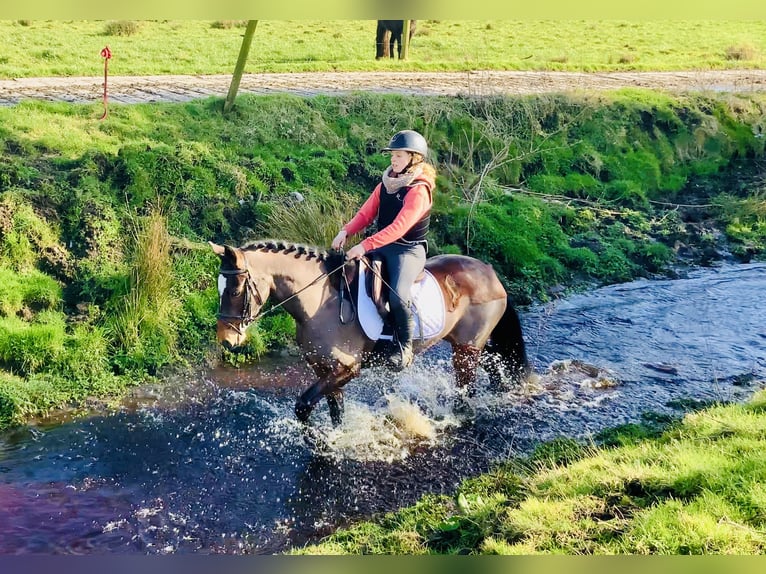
<point>401,204</point>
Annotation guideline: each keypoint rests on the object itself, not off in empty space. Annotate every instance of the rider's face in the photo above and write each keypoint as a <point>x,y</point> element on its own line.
<point>399,160</point>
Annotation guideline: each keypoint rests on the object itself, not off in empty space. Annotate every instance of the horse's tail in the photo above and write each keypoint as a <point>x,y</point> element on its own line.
<point>506,343</point>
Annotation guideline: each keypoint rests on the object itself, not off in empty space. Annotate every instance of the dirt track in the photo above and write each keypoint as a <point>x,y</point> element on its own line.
<point>128,89</point>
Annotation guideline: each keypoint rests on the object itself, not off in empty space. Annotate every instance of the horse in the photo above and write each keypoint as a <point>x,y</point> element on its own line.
<point>388,33</point>
<point>311,285</point>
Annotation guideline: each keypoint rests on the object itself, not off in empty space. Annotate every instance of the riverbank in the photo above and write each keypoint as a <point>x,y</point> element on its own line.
<point>693,488</point>
<point>106,275</point>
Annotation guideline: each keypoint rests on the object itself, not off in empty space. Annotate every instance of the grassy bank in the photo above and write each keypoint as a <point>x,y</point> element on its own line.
<point>697,488</point>
<point>33,48</point>
<point>106,279</point>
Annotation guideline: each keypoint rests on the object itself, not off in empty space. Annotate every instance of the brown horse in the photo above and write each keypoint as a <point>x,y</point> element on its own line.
<point>304,281</point>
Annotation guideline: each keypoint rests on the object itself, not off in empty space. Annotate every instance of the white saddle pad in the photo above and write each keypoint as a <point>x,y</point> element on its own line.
<point>427,307</point>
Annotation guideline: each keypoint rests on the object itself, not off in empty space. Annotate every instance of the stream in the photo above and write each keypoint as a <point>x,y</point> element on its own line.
<point>217,463</point>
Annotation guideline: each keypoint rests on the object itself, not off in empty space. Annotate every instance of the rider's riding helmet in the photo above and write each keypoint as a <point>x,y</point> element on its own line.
<point>408,140</point>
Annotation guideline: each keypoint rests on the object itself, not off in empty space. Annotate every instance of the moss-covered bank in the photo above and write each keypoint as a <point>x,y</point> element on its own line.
<point>104,274</point>
<point>695,488</point>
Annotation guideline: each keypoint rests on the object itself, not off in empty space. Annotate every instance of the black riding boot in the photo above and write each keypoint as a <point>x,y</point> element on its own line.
<point>404,330</point>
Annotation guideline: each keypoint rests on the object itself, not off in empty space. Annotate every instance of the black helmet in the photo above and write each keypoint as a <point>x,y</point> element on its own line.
<point>408,140</point>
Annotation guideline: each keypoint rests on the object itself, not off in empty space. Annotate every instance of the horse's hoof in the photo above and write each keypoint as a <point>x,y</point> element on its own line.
<point>462,409</point>
<point>315,440</point>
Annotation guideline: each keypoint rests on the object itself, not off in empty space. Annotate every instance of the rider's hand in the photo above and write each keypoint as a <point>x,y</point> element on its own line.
<point>340,240</point>
<point>355,252</point>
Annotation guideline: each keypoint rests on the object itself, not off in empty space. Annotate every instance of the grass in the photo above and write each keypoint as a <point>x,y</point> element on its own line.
<point>563,199</point>
<point>142,323</point>
<point>697,488</point>
<point>311,221</point>
<point>34,48</point>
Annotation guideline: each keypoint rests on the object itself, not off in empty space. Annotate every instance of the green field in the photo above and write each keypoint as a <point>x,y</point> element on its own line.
<point>33,48</point>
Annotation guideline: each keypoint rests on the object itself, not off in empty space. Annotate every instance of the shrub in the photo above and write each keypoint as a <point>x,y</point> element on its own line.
<point>556,452</point>
<point>653,256</point>
<point>227,24</point>
<point>312,220</point>
<point>196,322</point>
<point>28,348</point>
<point>278,330</point>
<point>27,293</point>
<point>22,398</point>
<point>141,326</point>
<point>741,52</point>
<point>85,357</point>
<point>27,239</point>
<point>121,28</point>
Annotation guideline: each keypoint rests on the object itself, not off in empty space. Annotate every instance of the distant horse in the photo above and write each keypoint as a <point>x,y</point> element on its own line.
<point>388,33</point>
<point>310,287</point>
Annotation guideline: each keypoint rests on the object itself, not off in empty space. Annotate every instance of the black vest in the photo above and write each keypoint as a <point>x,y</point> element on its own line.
<point>390,206</point>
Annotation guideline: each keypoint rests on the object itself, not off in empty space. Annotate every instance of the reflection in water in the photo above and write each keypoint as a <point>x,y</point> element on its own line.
<point>219,464</point>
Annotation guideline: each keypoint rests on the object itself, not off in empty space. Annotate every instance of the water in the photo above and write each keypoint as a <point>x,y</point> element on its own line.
<point>217,464</point>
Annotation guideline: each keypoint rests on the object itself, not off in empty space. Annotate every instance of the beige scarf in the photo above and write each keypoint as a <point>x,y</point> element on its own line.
<point>394,184</point>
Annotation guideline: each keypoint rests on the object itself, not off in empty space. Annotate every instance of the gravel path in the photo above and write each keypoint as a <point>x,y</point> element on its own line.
<point>130,89</point>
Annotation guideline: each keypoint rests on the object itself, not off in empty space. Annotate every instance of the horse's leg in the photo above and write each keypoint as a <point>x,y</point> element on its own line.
<point>505,356</point>
<point>413,25</point>
<point>328,385</point>
<point>306,403</point>
<point>380,41</point>
<point>465,360</point>
<point>493,365</point>
<point>335,404</point>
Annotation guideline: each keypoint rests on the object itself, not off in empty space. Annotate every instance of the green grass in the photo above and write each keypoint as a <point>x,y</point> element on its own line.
<point>697,488</point>
<point>141,326</point>
<point>33,48</point>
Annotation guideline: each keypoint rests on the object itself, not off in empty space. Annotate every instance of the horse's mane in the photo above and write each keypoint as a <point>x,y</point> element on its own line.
<point>332,259</point>
<point>279,246</point>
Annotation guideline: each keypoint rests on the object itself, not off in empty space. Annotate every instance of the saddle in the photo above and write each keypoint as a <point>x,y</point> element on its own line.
<point>376,284</point>
<point>377,293</point>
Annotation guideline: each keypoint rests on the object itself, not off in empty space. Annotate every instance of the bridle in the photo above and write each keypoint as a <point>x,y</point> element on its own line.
<point>251,292</point>
<point>248,316</point>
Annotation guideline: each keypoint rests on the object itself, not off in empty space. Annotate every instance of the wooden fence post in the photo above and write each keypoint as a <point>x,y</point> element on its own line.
<point>240,67</point>
<point>406,39</point>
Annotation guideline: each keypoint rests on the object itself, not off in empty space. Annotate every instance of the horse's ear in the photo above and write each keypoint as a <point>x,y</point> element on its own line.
<point>217,249</point>
<point>230,254</point>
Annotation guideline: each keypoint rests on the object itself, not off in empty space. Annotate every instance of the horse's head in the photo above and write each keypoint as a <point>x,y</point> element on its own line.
<point>239,298</point>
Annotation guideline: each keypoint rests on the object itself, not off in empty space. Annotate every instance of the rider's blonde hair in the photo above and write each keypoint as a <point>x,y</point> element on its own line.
<point>418,161</point>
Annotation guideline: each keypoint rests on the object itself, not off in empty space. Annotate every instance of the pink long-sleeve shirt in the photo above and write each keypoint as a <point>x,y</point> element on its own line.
<point>416,204</point>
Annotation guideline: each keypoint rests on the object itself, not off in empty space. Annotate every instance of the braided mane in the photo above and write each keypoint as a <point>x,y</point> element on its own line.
<point>279,246</point>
